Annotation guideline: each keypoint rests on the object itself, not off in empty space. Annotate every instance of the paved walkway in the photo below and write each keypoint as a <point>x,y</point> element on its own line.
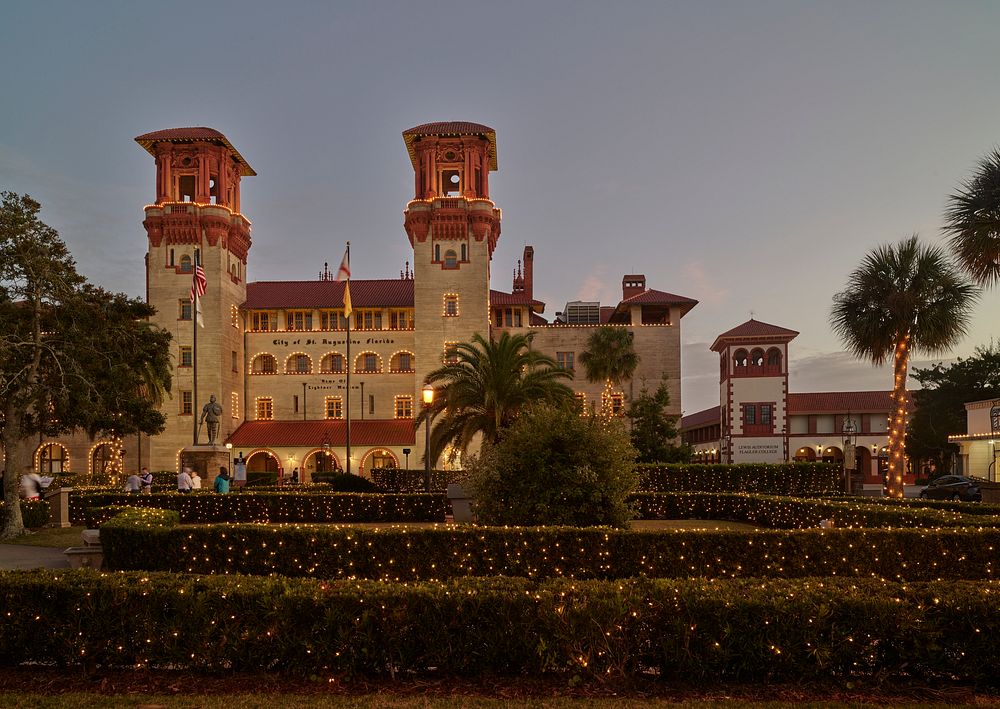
<point>23,556</point>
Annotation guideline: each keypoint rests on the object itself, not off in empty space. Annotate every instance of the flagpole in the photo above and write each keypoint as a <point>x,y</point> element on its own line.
<point>347,398</point>
<point>194,350</point>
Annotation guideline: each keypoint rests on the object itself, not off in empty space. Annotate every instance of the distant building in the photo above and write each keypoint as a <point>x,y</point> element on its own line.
<point>274,353</point>
<point>980,446</point>
<point>759,420</point>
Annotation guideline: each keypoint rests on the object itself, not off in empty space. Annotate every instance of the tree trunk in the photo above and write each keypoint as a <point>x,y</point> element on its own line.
<point>897,421</point>
<point>13,523</point>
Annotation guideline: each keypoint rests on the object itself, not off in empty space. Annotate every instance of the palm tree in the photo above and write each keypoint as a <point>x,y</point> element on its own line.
<point>902,298</point>
<point>610,358</point>
<point>973,220</point>
<point>488,385</point>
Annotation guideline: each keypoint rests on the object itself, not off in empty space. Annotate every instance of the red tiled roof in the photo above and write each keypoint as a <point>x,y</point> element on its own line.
<point>752,329</point>
<point>840,402</point>
<point>446,128</point>
<point>498,297</point>
<point>701,418</point>
<point>391,293</point>
<point>536,319</point>
<point>650,296</point>
<point>187,135</point>
<point>395,432</point>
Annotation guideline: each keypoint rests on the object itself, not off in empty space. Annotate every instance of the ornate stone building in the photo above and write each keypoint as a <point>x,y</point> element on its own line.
<point>274,352</point>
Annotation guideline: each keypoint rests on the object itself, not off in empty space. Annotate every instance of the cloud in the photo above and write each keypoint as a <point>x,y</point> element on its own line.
<point>704,287</point>
<point>593,285</point>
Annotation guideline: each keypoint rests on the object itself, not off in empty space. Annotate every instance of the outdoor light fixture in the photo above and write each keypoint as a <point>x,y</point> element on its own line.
<point>428,394</point>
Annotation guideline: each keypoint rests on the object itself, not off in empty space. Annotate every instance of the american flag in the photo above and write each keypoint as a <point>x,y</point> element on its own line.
<point>198,285</point>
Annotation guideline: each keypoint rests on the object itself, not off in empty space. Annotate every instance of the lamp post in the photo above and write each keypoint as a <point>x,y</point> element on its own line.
<point>229,449</point>
<point>850,431</point>
<point>406,452</point>
<point>428,393</point>
<point>326,452</point>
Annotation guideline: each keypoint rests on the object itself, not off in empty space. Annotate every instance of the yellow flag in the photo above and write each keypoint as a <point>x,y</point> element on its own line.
<point>347,299</point>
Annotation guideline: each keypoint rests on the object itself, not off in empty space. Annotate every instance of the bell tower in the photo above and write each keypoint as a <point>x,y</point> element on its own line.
<point>197,208</point>
<point>453,227</point>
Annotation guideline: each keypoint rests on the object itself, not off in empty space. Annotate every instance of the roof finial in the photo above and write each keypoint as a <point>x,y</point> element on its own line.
<point>325,274</point>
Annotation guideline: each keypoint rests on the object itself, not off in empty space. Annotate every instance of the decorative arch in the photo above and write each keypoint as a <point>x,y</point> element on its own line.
<point>741,358</point>
<point>52,457</point>
<point>332,363</point>
<point>185,264</point>
<point>757,357</point>
<point>264,363</point>
<point>774,357</point>
<point>380,458</point>
<point>363,363</point>
<point>805,454</point>
<point>832,454</point>
<point>450,259</point>
<point>319,460</point>
<point>263,460</point>
<point>101,458</point>
<point>298,363</point>
<point>402,361</point>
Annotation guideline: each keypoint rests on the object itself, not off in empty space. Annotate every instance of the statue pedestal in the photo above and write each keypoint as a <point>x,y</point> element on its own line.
<point>206,460</point>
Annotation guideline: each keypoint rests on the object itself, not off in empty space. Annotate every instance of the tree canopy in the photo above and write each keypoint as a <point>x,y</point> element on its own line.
<point>653,429</point>
<point>973,220</point>
<point>73,356</point>
<point>488,385</point>
<point>610,356</point>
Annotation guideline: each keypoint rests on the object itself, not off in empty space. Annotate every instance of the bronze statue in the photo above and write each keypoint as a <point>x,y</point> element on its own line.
<point>210,414</point>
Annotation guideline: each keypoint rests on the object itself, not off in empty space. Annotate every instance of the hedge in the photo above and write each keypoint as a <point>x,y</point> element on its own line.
<point>34,513</point>
<point>207,506</point>
<point>428,554</point>
<point>693,630</point>
<point>796,513</point>
<point>769,478</point>
<point>399,480</point>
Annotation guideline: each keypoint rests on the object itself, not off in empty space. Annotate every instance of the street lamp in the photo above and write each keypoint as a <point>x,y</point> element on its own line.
<point>406,452</point>
<point>326,452</point>
<point>229,449</point>
<point>850,431</point>
<point>428,393</point>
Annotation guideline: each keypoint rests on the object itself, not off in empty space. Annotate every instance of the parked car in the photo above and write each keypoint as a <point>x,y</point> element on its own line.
<point>953,487</point>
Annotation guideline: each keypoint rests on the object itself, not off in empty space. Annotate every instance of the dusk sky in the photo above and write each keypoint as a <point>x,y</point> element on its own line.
<point>745,154</point>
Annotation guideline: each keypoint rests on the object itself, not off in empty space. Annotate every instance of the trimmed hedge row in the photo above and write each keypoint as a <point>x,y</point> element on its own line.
<point>428,554</point>
<point>34,513</point>
<point>768,478</point>
<point>797,513</point>
<point>207,506</point>
<point>693,630</point>
<point>400,480</point>
<point>968,508</point>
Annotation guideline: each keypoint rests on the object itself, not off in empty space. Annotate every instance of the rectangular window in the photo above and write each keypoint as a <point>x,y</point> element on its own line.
<point>234,314</point>
<point>617,404</point>
<point>263,321</point>
<point>405,362</point>
<point>404,407</point>
<point>187,403</point>
<point>450,353</point>
<point>749,414</point>
<point>334,407</point>
<point>235,359</point>
<point>332,320</point>
<point>451,305</point>
<point>517,318</point>
<point>370,362</point>
<point>371,404</point>
<point>581,402</point>
<point>400,319</point>
<point>765,414</point>
<point>295,403</point>
<point>236,405</point>
<point>565,360</point>
<point>186,356</point>
<point>265,408</point>
<point>298,320</point>
<point>508,316</point>
<point>184,309</point>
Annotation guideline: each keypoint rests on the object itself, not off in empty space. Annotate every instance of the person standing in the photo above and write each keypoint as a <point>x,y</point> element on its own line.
<point>295,475</point>
<point>133,484</point>
<point>147,480</point>
<point>184,482</point>
<point>31,486</point>
<point>195,481</point>
<point>222,481</point>
<point>240,470</point>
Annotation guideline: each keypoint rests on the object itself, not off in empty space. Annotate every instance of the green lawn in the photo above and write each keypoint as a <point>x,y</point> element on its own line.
<point>56,537</point>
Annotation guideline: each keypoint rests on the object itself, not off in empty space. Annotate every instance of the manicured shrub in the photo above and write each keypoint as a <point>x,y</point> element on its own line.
<point>344,482</point>
<point>766,478</point>
<point>696,630</point>
<point>249,506</point>
<point>398,480</point>
<point>553,466</point>
<point>34,513</point>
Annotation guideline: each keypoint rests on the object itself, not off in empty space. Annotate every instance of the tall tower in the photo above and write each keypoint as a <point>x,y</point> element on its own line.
<point>197,206</point>
<point>753,382</point>
<point>453,227</point>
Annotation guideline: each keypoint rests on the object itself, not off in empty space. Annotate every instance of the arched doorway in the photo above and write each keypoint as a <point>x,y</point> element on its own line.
<point>832,454</point>
<point>103,461</point>
<point>805,454</point>
<point>322,461</point>
<point>262,461</point>
<point>378,458</point>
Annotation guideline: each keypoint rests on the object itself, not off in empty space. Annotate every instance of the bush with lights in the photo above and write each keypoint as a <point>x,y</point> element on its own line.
<point>553,466</point>
<point>34,513</point>
<point>767,478</point>
<point>696,630</point>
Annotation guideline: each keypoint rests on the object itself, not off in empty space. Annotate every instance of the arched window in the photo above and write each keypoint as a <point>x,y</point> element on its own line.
<point>102,460</point>
<point>298,363</point>
<point>450,259</point>
<point>741,358</point>
<point>262,461</point>
<point>185,264</point>
<point>757,357</point>
<point>401,362</point>
<point>52,458</point>
<point>332,363</point>
<point>264,364</point>
<point>774,357</point>
<point>368,363</point>
<point>381,458</point>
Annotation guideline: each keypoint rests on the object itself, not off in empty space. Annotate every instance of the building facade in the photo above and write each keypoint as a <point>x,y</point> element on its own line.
<point>979,447</point>
<point>275,354</point>
<point>760,420</point>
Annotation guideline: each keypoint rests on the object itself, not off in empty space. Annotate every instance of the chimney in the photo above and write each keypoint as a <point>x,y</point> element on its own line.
<point>529,257</point>
<point>633,284</point>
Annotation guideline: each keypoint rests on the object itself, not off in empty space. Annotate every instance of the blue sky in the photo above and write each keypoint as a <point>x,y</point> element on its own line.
<point>743,154</point>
